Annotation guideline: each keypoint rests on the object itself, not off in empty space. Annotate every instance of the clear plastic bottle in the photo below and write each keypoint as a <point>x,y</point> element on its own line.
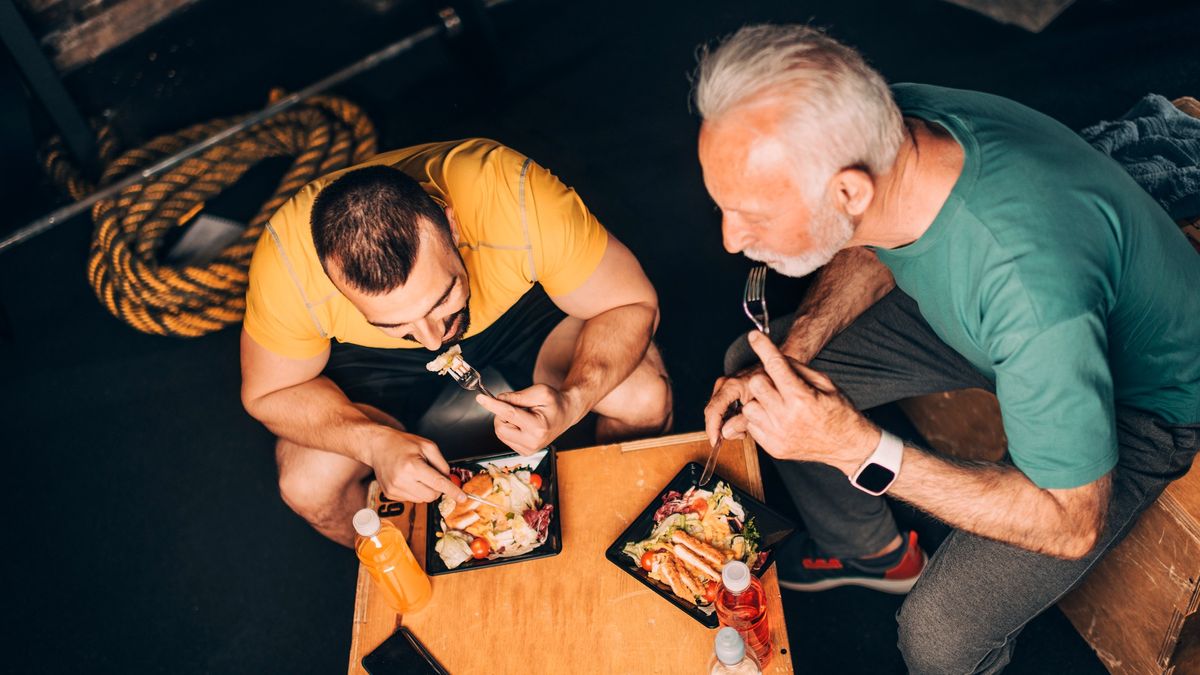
<point>742,605</point>
<point>385,553</point>
<point>730,657</point>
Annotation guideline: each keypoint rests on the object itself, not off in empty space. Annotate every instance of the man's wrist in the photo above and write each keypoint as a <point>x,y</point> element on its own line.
<point>576,404</point>
<point>878,472</point>
<point>861,449</point>
<point>378,438</point>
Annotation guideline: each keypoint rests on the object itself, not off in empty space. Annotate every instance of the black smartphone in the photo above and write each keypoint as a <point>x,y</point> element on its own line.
<point>402,654</point>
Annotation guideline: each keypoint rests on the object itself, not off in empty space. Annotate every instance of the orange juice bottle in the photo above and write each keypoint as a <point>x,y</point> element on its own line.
<point>386,555</point>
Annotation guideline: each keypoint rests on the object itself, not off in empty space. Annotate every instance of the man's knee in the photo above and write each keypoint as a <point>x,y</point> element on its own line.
<point>932,641</point>
<point>739,355</point>
<point>644,399</point>
<point>654,399</point>
<point>312,496</point>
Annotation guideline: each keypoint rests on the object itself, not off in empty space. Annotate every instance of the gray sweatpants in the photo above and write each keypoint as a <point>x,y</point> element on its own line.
<point>976,594</point>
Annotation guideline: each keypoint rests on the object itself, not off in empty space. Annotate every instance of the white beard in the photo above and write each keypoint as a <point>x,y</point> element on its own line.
<point>831,230</point>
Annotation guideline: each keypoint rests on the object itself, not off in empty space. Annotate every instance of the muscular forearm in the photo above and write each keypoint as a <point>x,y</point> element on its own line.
<point>609,347</point>
<point>843,289</point>
<point>1000,502</point>
<point>316,414</point>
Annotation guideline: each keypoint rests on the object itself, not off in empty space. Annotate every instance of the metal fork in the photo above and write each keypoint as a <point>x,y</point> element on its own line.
<point>754,299</point>
<point>468,378</point>
<point>754,303</point>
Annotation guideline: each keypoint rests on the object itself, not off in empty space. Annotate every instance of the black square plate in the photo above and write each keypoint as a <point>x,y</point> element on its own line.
<point>774,528</point>
<point>547,468</point>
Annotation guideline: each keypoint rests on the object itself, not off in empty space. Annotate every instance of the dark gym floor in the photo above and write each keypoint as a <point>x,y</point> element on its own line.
<point>145,530</point>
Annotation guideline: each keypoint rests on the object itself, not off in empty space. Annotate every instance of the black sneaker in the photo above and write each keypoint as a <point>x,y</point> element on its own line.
<point>801,567</point>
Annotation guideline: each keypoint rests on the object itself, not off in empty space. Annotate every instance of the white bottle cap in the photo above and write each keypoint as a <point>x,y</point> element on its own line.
<point>366,522</point>
<point>735,576</point>
<point>729,647</point>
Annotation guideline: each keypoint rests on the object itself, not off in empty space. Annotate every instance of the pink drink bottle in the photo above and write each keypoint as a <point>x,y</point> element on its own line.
<point>742,605</point>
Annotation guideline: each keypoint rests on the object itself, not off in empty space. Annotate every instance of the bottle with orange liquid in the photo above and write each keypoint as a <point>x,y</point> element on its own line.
<point>385,553</point>
<point>742,605</point>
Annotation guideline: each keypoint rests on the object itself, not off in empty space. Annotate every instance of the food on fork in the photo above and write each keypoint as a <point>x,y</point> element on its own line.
<point>447,361</point>
<point>514,522</point>
<point>694,535</point>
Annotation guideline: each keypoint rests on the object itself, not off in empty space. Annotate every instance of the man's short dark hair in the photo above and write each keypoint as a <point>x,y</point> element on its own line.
<point>369,222</point>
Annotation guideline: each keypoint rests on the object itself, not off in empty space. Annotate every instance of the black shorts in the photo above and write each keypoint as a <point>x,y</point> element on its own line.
<point>396,381</point>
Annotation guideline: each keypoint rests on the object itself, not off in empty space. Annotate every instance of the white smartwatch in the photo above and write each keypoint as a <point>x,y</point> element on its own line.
<point>878,473</point>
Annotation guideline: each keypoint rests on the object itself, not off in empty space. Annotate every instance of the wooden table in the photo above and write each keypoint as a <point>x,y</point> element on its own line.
<point>575,612</point>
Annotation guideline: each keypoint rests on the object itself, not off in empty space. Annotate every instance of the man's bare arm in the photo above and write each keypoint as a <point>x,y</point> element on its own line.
<point>293,400</point>
<point>1000,502</point>
<point>990,500</point>
<point>620,311</point>
<point>844,288</point>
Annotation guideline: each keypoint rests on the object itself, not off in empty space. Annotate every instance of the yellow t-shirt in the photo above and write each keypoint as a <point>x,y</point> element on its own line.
<point>518,225</point>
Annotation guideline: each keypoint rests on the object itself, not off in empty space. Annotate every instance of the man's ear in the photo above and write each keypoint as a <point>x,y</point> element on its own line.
<point>853,190</point>
<point>453,223</point>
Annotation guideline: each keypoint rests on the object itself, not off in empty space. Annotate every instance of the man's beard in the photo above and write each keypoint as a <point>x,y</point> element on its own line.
<point>463,326</point>
<point>831,230</point>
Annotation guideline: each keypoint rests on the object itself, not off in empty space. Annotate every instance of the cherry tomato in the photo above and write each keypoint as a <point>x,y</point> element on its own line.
<point>480,548</point>
<point>700,506</point>
<point>456,480</point>
<point>710,591</point>
<point>648,560</point>
<point>536,481</point>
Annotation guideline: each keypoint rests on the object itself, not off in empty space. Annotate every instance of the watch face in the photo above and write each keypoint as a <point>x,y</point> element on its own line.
<point>875,477</point>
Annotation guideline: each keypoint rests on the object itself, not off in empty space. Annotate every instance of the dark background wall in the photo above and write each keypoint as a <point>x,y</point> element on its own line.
<point>145,531</point>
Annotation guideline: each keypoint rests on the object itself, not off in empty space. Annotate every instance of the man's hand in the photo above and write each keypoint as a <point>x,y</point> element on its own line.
<point>411,469</point>
<point>530,419</point>
<point>726,392</point>
<point>797,413</point>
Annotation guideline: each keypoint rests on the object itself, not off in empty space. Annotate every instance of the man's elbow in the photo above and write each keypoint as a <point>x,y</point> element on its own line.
<point>251,401</point>
<point>1081,544</point>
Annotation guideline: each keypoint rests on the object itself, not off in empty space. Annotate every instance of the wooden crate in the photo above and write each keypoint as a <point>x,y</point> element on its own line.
<point>1138,607</point>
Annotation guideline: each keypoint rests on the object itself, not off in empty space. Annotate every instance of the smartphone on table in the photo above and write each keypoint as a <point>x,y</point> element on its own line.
<point>402,654</point>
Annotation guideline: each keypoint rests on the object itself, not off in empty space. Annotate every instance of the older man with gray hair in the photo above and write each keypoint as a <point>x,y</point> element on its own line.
<point>962,240</point>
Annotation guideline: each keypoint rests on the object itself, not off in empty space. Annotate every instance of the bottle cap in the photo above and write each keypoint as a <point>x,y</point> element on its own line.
<point>730,648</point>
<point>366,522</point>
<point>735,576</point>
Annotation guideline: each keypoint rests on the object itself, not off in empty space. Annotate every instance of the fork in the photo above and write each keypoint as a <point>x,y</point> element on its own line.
<point>754,303</point>
<point>468,378</point>
<point>754,299</point>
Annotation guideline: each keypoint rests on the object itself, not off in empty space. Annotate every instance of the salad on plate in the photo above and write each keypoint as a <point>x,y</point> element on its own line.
<point>695,533</point>
<point>514,522</point>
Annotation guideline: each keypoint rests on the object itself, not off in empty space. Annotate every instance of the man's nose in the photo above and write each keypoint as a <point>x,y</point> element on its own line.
<point>429,334</point>
<point>735,238</point>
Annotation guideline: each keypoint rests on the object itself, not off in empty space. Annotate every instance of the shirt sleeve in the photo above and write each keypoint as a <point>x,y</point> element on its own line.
<point>276,316</point>
<point>1056,397</point>
<point>568,241</point>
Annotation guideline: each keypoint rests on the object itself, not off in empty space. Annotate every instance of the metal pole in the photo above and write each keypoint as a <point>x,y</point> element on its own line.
<point>43,79</point>
<point>450,24</point>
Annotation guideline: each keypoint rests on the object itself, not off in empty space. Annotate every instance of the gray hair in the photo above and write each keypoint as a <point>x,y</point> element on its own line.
<point>839,111</point>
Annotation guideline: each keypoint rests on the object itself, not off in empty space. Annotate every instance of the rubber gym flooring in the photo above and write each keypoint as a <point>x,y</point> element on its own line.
<point>145,530</point>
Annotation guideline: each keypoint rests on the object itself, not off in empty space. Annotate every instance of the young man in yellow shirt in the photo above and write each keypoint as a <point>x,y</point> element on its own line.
<point>464,242</point>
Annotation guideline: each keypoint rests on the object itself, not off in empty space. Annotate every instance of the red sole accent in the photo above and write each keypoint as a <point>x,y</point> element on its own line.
<point>911,564</point>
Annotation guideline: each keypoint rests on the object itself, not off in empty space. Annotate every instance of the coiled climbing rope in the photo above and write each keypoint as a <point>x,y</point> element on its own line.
<point>324,134</point>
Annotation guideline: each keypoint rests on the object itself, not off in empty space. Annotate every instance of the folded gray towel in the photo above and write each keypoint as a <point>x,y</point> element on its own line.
<point>1159,145</point>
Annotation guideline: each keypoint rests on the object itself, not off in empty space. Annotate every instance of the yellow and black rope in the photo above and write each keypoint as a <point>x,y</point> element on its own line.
<point>324,134</point>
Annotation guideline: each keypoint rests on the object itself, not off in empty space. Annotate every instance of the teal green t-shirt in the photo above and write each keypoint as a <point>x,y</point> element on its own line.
<point>1060,279</point>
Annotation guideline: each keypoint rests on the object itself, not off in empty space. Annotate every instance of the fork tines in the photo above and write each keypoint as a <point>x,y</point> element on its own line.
<point>754,300</point>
